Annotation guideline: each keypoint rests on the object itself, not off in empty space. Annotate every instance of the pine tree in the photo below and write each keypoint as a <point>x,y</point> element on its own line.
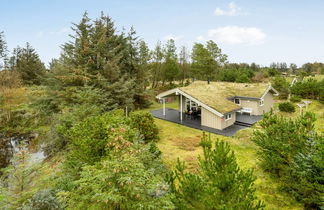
<point>184,64</point>
<point>3,49</point>
<point>171,68</point>
<point>98,56</point>
<point>206,60</point>
<point>157,64</point>
<point>292,151</point>
<point>142,76</point>
<point>219,183</point>
<point>27,63</point>
<point>19,175</point>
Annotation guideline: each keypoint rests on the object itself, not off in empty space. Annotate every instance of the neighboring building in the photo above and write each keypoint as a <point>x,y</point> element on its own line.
<point>219,102</point>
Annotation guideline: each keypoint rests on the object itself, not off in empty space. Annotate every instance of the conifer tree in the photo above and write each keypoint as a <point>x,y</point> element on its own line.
<point>157,64</point>
<point>27,63</point>
<point>3,49</point>
<point>219,183</point>
<point>206,60</point>
<point>98,56</point>
<point>184,64</point>
<point>143,73</point>
<point>19,176</point>
<point>292,151</point>
<point>171,68</point>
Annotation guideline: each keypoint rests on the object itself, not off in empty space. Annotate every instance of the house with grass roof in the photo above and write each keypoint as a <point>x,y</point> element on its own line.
<point>219,105</point>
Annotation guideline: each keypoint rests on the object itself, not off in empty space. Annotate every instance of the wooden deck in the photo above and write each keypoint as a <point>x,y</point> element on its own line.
<point>173,115</point>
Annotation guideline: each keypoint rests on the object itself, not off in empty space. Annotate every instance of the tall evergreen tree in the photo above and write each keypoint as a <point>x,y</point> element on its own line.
<point>184,64</point>
<point>143,73</point>
<point>99,56</point>
<point>206,60</point>
<point>171,68</point>
<point>27,63</point>
<point>292,151</point>
<point>157,61</point>
<point>3,49</point>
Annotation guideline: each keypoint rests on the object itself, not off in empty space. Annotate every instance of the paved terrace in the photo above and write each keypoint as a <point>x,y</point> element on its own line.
<point>173,115</point>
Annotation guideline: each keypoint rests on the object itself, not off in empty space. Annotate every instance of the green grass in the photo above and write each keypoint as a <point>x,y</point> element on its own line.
<point>216,94</point>
<point>317,77</point>
<point>156,105</point>
<point>177,141</point>
<point>315,107</point>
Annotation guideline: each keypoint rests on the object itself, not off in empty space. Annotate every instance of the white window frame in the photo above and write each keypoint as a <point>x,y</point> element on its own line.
<point>238,100</point>
<point>228,116</point>
<point>261,102</point>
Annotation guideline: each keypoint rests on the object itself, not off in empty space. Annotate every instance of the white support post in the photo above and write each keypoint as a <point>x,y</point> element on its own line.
<point>301,108</point>
<point>180,107</point>
<point>307,103</point>
<point>190,104</point>
<point>126,112</point>
<point>163,106</point>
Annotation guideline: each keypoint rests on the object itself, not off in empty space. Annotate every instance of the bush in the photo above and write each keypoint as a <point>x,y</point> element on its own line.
<point>108,166</point>
<point>144,122</point>
<point>287,107</point>
<point>242,78</point>
<point>62,123</point>
<point>309,88</point>
<point>93,138</point>
<point>43,199</point>
<point>9,79</point>
<point>132,178</point>
<point>295,99</point>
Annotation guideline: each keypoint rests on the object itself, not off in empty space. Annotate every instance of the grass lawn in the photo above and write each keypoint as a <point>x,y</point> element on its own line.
<point>317,77</point>
<point>182,142</point>
<point>315,107</point>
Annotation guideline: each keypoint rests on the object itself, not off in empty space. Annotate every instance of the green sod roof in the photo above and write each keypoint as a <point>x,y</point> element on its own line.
<point>216,94</point>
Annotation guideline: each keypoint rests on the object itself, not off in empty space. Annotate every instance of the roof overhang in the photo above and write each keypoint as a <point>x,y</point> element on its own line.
<point>243,97</point>
<point>270,88</point>
<point>177,91</point>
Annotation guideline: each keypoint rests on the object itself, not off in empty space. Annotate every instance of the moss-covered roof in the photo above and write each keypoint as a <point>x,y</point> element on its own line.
<point>216,94</point>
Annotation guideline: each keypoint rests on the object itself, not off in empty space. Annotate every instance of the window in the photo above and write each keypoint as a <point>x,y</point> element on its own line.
<point>237,101</point>
<point>261,102</point>
<point>228,116</point>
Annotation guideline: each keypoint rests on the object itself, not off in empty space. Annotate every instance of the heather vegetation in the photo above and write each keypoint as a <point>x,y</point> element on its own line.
<point>87,112</point>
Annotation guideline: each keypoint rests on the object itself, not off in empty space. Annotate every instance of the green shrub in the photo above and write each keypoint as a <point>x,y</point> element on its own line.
<point>43,199</point>
<point>242,78</point>
<point>287,107</point>
<point>133,178</point>
<point>108,166</point>
<point>144,122</point>
<point>62,123</point>
<point>295,99</point>
<point>93,138</point>
<point>309,88</point>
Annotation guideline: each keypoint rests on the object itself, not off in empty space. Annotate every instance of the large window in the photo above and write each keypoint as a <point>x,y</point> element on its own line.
<point>237,101</point>
<point>228,116</point>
